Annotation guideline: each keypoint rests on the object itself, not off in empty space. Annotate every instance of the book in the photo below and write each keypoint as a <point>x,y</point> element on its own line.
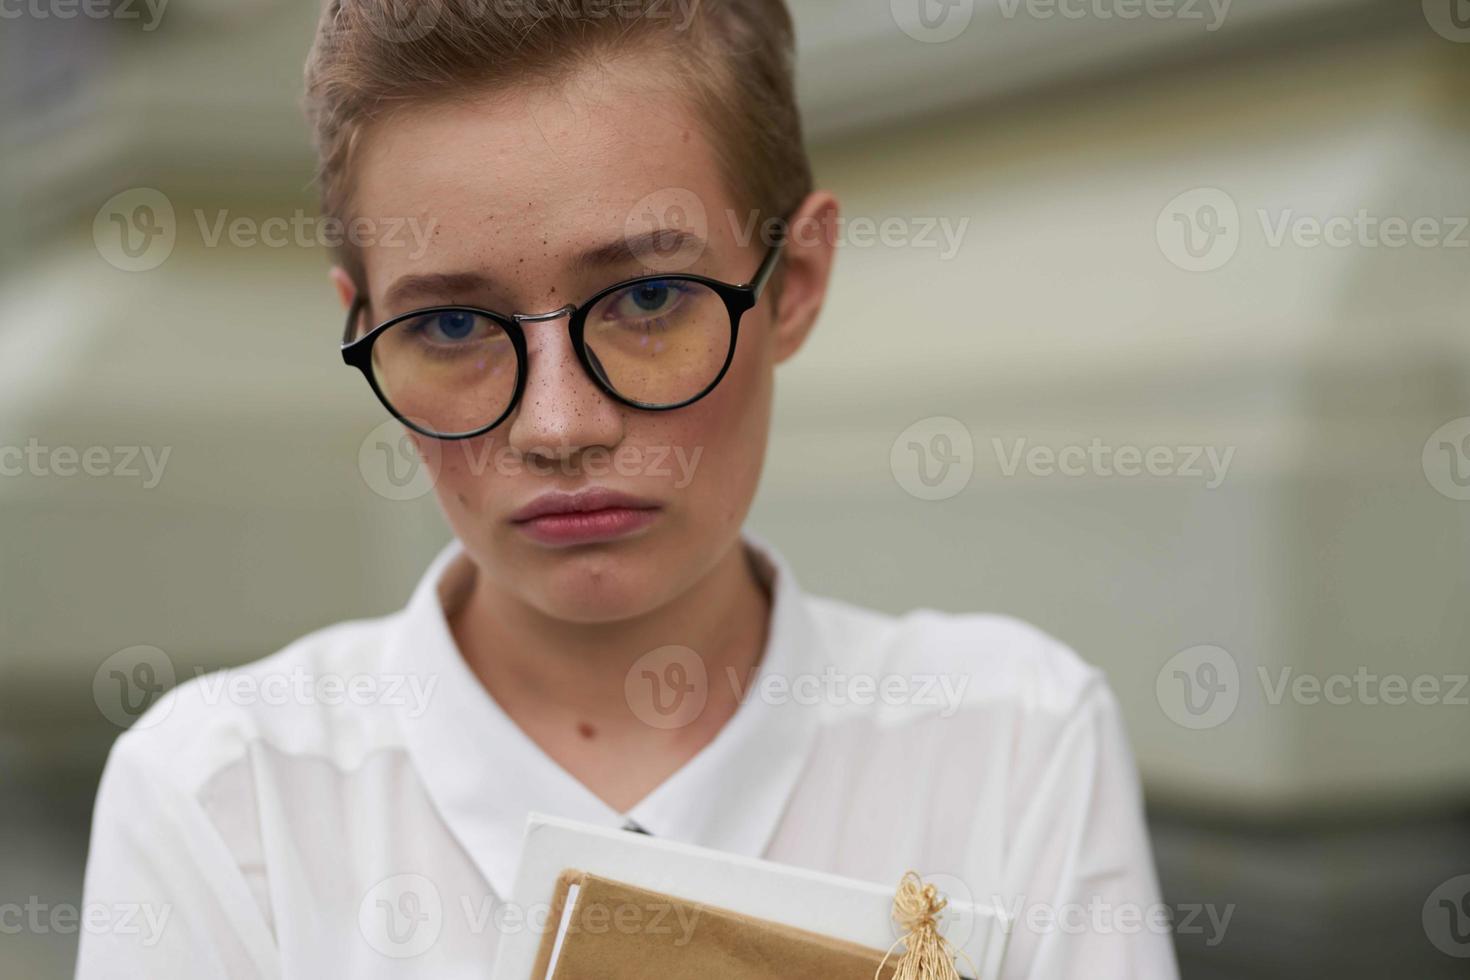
<point>614,905</point>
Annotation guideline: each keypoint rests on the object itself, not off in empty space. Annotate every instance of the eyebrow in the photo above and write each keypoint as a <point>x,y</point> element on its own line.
<point>624,250</point>
<point>632,248</point>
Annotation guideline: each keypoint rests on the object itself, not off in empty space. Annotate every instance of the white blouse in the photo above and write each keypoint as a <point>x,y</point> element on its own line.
<point>353,805</point>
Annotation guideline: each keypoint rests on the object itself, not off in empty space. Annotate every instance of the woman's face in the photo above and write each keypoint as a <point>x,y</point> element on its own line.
<point>533,200</point>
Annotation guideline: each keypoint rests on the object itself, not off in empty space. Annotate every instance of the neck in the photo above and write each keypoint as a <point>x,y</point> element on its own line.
<point>560,680</point>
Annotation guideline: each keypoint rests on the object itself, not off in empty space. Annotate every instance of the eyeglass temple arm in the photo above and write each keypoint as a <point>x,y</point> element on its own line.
<point>768,267</point>
<point>353,311</point>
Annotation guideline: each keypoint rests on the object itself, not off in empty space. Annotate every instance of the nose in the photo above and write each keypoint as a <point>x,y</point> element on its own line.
<point>562,412</point>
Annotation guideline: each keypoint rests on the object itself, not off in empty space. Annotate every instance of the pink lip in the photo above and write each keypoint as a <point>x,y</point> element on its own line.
<point>584,517</point>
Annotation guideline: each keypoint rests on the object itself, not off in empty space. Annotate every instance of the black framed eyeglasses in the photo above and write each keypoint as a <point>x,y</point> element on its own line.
<point>657,343</point>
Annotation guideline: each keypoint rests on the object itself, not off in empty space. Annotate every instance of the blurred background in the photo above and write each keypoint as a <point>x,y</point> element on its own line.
<point>1149,326</point>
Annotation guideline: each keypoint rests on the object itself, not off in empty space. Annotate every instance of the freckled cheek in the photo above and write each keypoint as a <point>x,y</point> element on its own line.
<point>722,439</point>
<point>465,472</point>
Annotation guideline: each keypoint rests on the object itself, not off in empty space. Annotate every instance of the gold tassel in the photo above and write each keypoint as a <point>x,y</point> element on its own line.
<point>927,954</point>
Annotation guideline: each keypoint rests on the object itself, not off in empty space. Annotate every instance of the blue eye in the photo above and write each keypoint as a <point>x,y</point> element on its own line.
<point>646,302</point>
<point>454,325</point>
<point>650,296</point>
<point>453,328</point>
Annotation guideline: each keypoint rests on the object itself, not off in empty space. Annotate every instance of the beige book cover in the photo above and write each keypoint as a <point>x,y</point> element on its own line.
<point>608,930</point>
<point>747,911</point>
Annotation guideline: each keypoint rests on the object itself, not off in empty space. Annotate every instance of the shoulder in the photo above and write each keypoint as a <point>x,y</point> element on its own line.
<point>324,694</point>
<point>988,661</point>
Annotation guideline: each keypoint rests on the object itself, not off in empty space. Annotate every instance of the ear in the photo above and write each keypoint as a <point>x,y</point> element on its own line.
<point>806,267</point>
<point>345,288</point>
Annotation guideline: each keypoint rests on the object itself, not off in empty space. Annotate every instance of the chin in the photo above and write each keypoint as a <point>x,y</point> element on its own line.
<point>600,583</point>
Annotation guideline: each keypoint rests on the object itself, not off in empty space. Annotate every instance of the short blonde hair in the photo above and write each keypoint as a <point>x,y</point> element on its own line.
<point>733,58</point>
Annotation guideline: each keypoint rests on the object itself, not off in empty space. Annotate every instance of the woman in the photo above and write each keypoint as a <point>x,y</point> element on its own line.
<point>625,243</point>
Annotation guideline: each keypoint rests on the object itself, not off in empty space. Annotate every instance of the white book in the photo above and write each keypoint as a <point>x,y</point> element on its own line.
<point>858,912</point>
